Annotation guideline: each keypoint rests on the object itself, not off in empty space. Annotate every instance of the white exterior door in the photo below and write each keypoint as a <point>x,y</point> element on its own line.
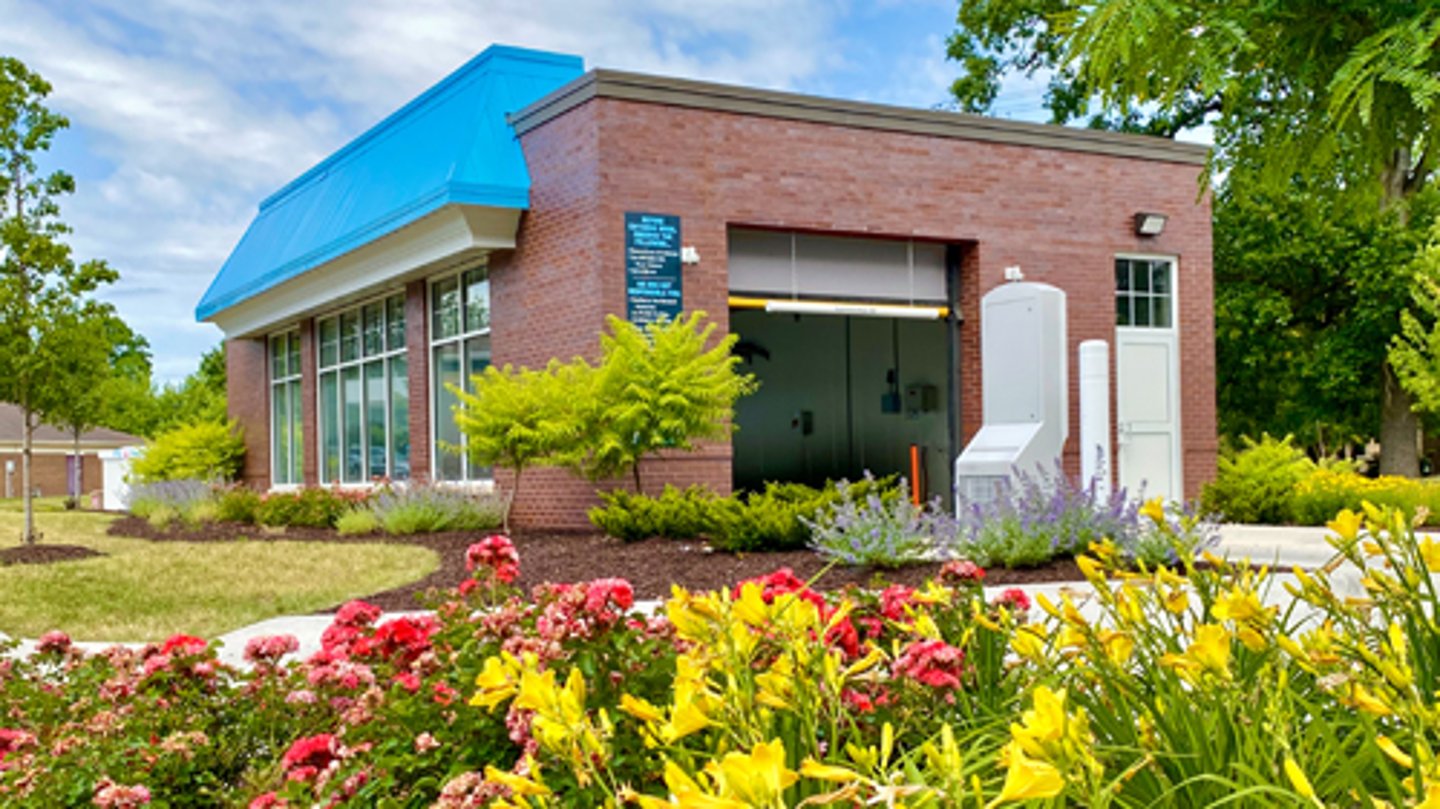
<point>1147,378</point>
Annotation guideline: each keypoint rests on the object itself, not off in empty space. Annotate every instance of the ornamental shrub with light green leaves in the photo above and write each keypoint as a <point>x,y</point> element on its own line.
<point>1257,484</point>
<point>205,450</point>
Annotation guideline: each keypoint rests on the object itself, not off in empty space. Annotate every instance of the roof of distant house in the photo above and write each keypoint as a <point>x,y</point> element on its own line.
<point>12,423</point>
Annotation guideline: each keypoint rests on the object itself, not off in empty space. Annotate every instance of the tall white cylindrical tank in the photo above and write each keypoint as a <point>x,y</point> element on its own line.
<point>1095,416</point>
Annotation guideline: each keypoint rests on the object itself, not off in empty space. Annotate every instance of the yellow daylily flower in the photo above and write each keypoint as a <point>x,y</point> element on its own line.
<point>1029,642</point>
<point>497,681</point>
<point>1176,601</point>
<point>1027,779</point>
<point>641,709</point>
<point>759,777</point>
<point>1241,606</point>
<point>1430,554</point>
<point>518,784</point>
<point>1298,779</point>
<point>810,768</point>
<point>1346,524</point>
<point>751,607</point>
<point>1154,508</point>
<point>1118,646</point>
<point>1391,749</point>
<point>1211,648</point>
<point>1361,697</point>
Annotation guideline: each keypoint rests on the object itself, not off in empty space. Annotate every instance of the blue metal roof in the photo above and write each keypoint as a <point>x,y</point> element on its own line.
<point>450,145</point>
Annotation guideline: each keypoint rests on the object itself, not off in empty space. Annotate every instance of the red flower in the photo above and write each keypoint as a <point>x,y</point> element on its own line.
<point>601,592</point>
<point>1014,598</point>
<point>404,638</point>
<point>269,800</point>
<point>962,570</point>
<point>781,582</point>
<point>407,680</point>
<point>932,662</point>
<point>357,613</point>
<point>311,754</point>
<point>894,599</point>
<point>845,636</point>
<point>183,645</point>
<point>497,554</point>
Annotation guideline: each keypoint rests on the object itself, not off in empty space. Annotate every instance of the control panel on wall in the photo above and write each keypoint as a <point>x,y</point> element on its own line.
<point>921,397</point>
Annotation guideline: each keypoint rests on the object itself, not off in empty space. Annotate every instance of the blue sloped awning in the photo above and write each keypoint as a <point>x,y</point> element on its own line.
<point>451,145</point>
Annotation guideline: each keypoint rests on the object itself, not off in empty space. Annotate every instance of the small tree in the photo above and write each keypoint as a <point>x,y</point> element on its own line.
<point>522,418</point>
<point>92,354</point>
<point>41,285</point>
<point>1415,351</point>
<point>659,387</point>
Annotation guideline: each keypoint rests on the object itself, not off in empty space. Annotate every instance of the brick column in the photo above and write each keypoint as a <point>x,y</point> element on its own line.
<point>309,421</point>
<point>417,356</point>
<point>247,389</point>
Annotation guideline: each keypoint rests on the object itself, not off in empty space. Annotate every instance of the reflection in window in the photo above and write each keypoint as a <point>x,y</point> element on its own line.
<point>364,394</point>
<point>460,349</point>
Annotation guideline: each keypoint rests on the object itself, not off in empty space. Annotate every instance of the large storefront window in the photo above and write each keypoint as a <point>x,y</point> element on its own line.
<point>364,394</point>
<point>460,348</point>
<point>286,442</point>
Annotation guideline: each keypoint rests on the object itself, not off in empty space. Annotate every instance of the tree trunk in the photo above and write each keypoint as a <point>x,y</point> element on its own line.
<point>28,536</point>
<point>1399,429</point>
<point>1399,426</point>
<point>635,470</point>
<point>79,473</point>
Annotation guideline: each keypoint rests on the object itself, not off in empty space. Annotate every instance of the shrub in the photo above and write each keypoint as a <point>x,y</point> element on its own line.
<point>430,508</point>
<point>201,512</point>
<point>876,531</point>
<point>357,521</point>
<point>1034,518</point>
<point>310,507</point>
<point>771,520</point>
<point>1327,491</point>
<point>204,450</point>
<point>162,502</point>
<point>1257,484</point>
<point>675,514</point>
<point>236,504</point>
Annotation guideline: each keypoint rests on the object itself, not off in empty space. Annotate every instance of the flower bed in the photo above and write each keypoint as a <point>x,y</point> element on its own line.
<point>1186,691</point>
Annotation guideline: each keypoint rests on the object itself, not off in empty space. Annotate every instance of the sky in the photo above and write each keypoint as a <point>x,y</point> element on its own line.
<point>186,113</point>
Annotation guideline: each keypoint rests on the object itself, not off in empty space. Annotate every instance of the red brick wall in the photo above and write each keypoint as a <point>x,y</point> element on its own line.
<point>1062,216</point>
<point>47,474</point>
<point>417,368</point>
<point>247,387</point>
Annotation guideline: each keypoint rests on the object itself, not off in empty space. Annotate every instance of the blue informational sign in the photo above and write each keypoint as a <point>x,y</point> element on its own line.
<point>652,268</point>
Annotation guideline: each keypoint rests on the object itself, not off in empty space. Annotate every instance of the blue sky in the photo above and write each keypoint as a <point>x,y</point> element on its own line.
<point>186,113</point>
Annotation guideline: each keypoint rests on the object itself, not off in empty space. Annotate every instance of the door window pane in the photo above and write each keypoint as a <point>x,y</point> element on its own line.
<point>448,464</point>
<point>1161,317</point>
<point>1143,293</point>
<point>1122,310</point>
<point>399,419</point>
<point>350,405</point>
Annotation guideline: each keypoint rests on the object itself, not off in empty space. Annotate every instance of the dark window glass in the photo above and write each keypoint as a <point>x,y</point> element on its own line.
<point>445,306</point>
<point>372,316</point>
<point>329,342</point>
<point>349,336</point>
<point>350,400</point>
<point>375,411</point>
<point>395,322</point>
<point>477,300</point>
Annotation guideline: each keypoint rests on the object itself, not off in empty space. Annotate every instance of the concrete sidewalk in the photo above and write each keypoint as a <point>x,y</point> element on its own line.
<point>1282,546</point>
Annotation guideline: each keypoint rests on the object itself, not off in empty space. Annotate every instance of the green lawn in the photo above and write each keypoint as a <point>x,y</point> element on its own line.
<point>148,590</point>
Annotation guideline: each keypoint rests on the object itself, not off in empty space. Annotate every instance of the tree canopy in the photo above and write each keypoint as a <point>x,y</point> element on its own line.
<point>1338,96</point>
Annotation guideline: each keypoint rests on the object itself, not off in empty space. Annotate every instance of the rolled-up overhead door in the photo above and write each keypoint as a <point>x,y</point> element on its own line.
<point>780,264</point>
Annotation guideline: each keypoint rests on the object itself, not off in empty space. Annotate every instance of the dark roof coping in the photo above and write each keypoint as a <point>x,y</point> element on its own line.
<point>859,114</point>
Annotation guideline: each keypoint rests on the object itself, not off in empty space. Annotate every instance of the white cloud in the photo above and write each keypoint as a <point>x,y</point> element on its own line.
<point>203,107</point>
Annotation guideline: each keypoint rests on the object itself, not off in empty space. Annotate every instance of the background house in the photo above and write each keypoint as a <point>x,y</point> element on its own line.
<point>54,469</point>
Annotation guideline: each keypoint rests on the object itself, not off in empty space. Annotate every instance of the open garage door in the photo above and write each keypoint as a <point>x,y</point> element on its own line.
<point>849,339</point>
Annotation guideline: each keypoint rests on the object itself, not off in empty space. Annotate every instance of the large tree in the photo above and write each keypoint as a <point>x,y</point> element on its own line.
<point>41,285</point>
<point>1339,92</point>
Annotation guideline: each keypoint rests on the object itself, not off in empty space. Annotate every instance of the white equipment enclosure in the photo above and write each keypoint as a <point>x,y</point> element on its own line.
<point>1024,388</point>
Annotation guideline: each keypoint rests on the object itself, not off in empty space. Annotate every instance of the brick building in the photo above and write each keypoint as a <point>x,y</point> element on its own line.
<point>502,214</point>
<point>55,466</point>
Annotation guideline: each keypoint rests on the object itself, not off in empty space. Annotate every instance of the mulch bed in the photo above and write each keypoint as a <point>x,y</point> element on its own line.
<point>43,554</point>
<point>651,566</point>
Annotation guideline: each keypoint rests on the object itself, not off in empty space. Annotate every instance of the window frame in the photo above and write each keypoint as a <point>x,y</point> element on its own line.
<point>288,333</point>
<point>1174,294</point>
<point>458,339</point>
<point>359,362</point>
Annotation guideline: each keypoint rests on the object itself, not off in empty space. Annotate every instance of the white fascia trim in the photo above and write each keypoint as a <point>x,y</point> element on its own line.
<point>453,234</point>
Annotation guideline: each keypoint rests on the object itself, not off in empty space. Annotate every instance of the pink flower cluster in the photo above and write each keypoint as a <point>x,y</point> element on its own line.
<point>54,641</point>
<point>496,554</point>
<point>13,741</point>
<point>1015,599</point>
<point>932,662</point>
<point>961,570</point>
<point>111,795</point>
<point>310,756</point>
<point>268,649</point>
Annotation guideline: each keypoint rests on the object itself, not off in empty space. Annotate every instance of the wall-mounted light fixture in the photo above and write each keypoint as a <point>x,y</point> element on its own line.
<point>1149,224</point>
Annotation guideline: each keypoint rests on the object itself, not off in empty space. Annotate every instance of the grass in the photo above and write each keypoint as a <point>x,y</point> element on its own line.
<point>143,591</point>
